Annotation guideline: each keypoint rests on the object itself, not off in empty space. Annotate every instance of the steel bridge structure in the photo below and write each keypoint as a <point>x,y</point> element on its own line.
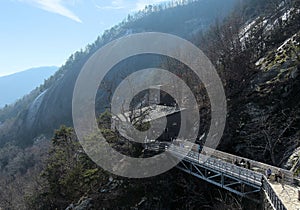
<point>217,170</point>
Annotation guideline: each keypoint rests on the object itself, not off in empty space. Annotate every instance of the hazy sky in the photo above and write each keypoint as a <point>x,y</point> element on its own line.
<point>46,32</point>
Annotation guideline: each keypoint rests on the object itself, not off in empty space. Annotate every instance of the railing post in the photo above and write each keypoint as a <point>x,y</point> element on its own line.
<point>222,179</point>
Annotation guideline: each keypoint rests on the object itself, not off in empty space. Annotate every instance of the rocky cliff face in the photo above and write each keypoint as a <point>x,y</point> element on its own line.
<point>265,117</point>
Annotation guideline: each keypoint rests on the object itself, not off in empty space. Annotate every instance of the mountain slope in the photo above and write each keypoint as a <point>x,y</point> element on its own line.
<point>15,86</point>
<point>263,86</point>
<point>53,108</point>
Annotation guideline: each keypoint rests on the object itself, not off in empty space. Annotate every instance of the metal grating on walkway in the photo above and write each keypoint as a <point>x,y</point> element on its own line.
<point>235,179</point>
<point>216,168</point>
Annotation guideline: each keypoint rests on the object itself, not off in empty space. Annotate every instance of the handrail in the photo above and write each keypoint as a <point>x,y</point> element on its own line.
<point>219,165</point>
<point>275,200</point>
<point>261,166</point>
<point>233,170</point>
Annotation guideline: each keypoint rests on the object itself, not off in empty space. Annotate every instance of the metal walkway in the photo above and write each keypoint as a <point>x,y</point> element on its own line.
<point>235,179</point>
<point>217,168</point>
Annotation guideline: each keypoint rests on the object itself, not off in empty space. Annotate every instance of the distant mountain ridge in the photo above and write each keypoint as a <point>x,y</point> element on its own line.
<point>15,86</point>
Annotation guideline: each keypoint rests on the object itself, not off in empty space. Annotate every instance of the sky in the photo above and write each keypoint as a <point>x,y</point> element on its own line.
<point>46,32</point>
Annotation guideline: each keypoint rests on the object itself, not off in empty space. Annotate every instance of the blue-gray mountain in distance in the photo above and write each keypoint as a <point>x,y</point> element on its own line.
<point>15,86</point>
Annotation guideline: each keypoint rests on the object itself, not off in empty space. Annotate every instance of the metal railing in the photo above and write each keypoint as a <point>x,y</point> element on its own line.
<point>240,173</point>
<point>274,199</point>
<point>219,165</point>
<point>260,167</point>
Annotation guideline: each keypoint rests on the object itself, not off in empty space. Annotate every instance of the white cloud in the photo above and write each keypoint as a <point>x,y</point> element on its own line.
<point>54,6</point>
<point>127,4</point>
<point>115,5</point>
<point>142,3</point>
<point>118,3</point>
<point>109,7</point>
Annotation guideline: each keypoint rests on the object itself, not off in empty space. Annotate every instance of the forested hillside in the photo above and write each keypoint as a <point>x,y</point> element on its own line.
<point>49,106</point>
